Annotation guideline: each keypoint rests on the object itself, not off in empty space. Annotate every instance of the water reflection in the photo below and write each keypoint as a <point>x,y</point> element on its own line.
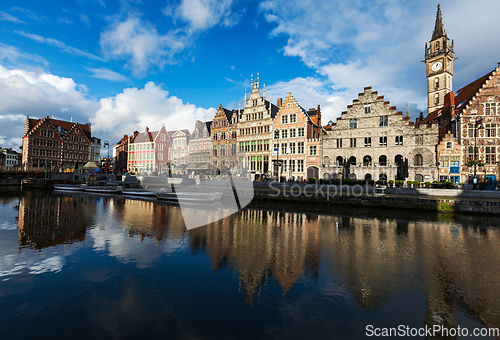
<point>452,262</point>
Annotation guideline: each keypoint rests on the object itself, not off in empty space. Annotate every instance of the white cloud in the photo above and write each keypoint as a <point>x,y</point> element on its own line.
<point>134,109</point>
<point>7,17</point>
<point>15,57</point>
<point>381,44</point>
<point>140,43</point>
<point>39,94</point>
<point>58,44</point>
<point>104,73</point>
<point>204,14</point>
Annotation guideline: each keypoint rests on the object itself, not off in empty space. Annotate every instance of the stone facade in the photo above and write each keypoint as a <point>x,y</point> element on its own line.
<point>255,132</point>
<point>371,140</point>
<point>9,159</point>
<point>55,145</point>
<point>179,147</point>
<point>296,138</point>
<point>199,144</point>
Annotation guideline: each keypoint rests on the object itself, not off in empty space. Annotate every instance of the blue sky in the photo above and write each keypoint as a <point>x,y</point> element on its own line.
<point>122,65</point>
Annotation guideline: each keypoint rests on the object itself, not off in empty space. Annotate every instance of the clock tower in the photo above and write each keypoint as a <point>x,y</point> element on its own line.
<point>439,58</point>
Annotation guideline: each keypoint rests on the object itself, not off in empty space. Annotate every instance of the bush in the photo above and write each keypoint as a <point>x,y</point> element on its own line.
<point>348,181</point>
<point>380,181</point>
<point>312,180</point>
<point>362,182</point>
<point>391,182</point>
<point>371,182</point>
<point>428,183</point>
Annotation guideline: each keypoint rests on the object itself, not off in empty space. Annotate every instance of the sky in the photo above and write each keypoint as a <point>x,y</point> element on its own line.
<point>123,65</point>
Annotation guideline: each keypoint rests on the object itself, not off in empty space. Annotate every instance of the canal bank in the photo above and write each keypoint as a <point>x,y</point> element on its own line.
<point>441,200</point>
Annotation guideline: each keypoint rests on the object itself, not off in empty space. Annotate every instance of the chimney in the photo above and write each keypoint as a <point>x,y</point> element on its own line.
<point>147,129</point>
<point>280,102</point>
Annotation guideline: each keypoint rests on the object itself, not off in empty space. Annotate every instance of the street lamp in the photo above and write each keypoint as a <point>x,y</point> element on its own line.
<point>106,143</point>
<point>478,124</point>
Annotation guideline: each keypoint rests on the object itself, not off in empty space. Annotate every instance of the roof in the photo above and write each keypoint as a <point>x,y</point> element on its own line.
<point>66,126</point>
<point>465,94</point>
<point>143,138</point>
<point>439,30</point>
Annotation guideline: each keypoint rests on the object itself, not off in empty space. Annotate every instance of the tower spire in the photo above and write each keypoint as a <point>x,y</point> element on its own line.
<point>438,27</point>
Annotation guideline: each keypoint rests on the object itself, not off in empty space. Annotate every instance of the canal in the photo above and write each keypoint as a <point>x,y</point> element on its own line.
<point>80,266</point>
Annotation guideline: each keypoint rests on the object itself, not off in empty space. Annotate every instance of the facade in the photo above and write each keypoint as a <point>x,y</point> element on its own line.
<point>95,150</point>
<point>200,146</point>
<point>225,138</point>
<point>255,132</point>
<point>439,56</point>
<point>296,140</point>
<point>372,141</point>
<point>54,144</point>
<point>179,147</point>
<point>449,153</point>
<point>477,119</point>
<point>148,151</point>
<point>120,152</point>
<point>9,159</point>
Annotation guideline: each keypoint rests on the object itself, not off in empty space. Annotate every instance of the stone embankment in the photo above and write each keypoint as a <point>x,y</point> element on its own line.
<point>443,200</point>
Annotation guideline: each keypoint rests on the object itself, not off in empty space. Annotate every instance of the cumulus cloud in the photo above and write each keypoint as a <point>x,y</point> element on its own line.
<point>354,45</point>
<point>140,44</point>
<point>134,109</point>
<point>39,94</point>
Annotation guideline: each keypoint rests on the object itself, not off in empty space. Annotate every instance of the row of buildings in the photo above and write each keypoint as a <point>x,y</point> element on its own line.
<point>371,140</point>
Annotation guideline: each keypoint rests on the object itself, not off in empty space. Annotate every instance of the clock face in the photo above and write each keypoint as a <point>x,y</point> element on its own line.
<point>436,66</point>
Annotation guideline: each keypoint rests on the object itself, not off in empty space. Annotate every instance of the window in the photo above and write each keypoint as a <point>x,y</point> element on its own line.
<point>383,141</point>
<point>382,160</point>
<point>419,139</point>
<point>449,145</point>
<point>368,108</point>
<point>292,165</point>
<point>368,141</point>
<point>490,108</point>
<point>292,133</point>
<point>353,124</point>
<point>312,150</point>
<point>292,148</point>
<point>419,160</point>
<point>160,147</point>
<point>293,118</point>
<point>300,165</point>
<point>283,148</point>
<point>399,140</point>
<point>384,120</point>
<point>284,119</point>
<point>444,162</point>
<point>490,130</point>
<point>352,142</point>
<point>436,83</point>
<point>472,132</point>
<point>436,99</point>
<point>284,133</point>
<point>339,143</point>
<point>301,132</point>
<point>300,147</point>
<point>490,155</point>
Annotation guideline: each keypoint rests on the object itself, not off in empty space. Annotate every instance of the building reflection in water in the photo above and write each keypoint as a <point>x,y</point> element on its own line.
<point>45,221</point>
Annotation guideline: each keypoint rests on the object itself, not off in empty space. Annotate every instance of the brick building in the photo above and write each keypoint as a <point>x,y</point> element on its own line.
<point>371,140</point>
<point>55,144</point>
<point>225,138</point>
<point>9,159</point>
<point>296,140</point>
<point>449,152</point>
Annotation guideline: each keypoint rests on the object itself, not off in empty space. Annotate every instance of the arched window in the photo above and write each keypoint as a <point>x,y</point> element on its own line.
<point>352,160</point>
<point>367,160</point>
<point>449,145</point>
<point>419,178</point>
<point>398,159</point>
<point>436,83</point>
<point>382,177</point>
<point>340,161</point>
<point>382,160</point>
<point>368,177</point>
<point>419,160</point>
<point>352,176</point>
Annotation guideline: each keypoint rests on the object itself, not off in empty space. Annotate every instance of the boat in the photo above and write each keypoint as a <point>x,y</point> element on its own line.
<point>108,189</point>
<point>189,196</point>
<point>70,187</point>
<point>138,192</point>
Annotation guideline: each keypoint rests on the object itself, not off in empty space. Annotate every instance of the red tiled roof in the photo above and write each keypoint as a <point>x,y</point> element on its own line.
<point>32,123</point>
<point>465,94</point>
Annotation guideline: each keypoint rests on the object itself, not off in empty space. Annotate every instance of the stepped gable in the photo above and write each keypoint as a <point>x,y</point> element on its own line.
<point>466,93</point>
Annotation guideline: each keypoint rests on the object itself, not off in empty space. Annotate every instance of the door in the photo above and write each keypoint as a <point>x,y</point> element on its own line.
<point>490,182</point>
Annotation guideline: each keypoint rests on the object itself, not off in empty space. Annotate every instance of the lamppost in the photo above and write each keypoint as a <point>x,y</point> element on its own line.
<point>277,163</point>
<point>106,143</point>
<point>478,124</point>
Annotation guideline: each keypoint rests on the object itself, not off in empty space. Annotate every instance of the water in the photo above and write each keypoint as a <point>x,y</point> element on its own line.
<point>89,267</point>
